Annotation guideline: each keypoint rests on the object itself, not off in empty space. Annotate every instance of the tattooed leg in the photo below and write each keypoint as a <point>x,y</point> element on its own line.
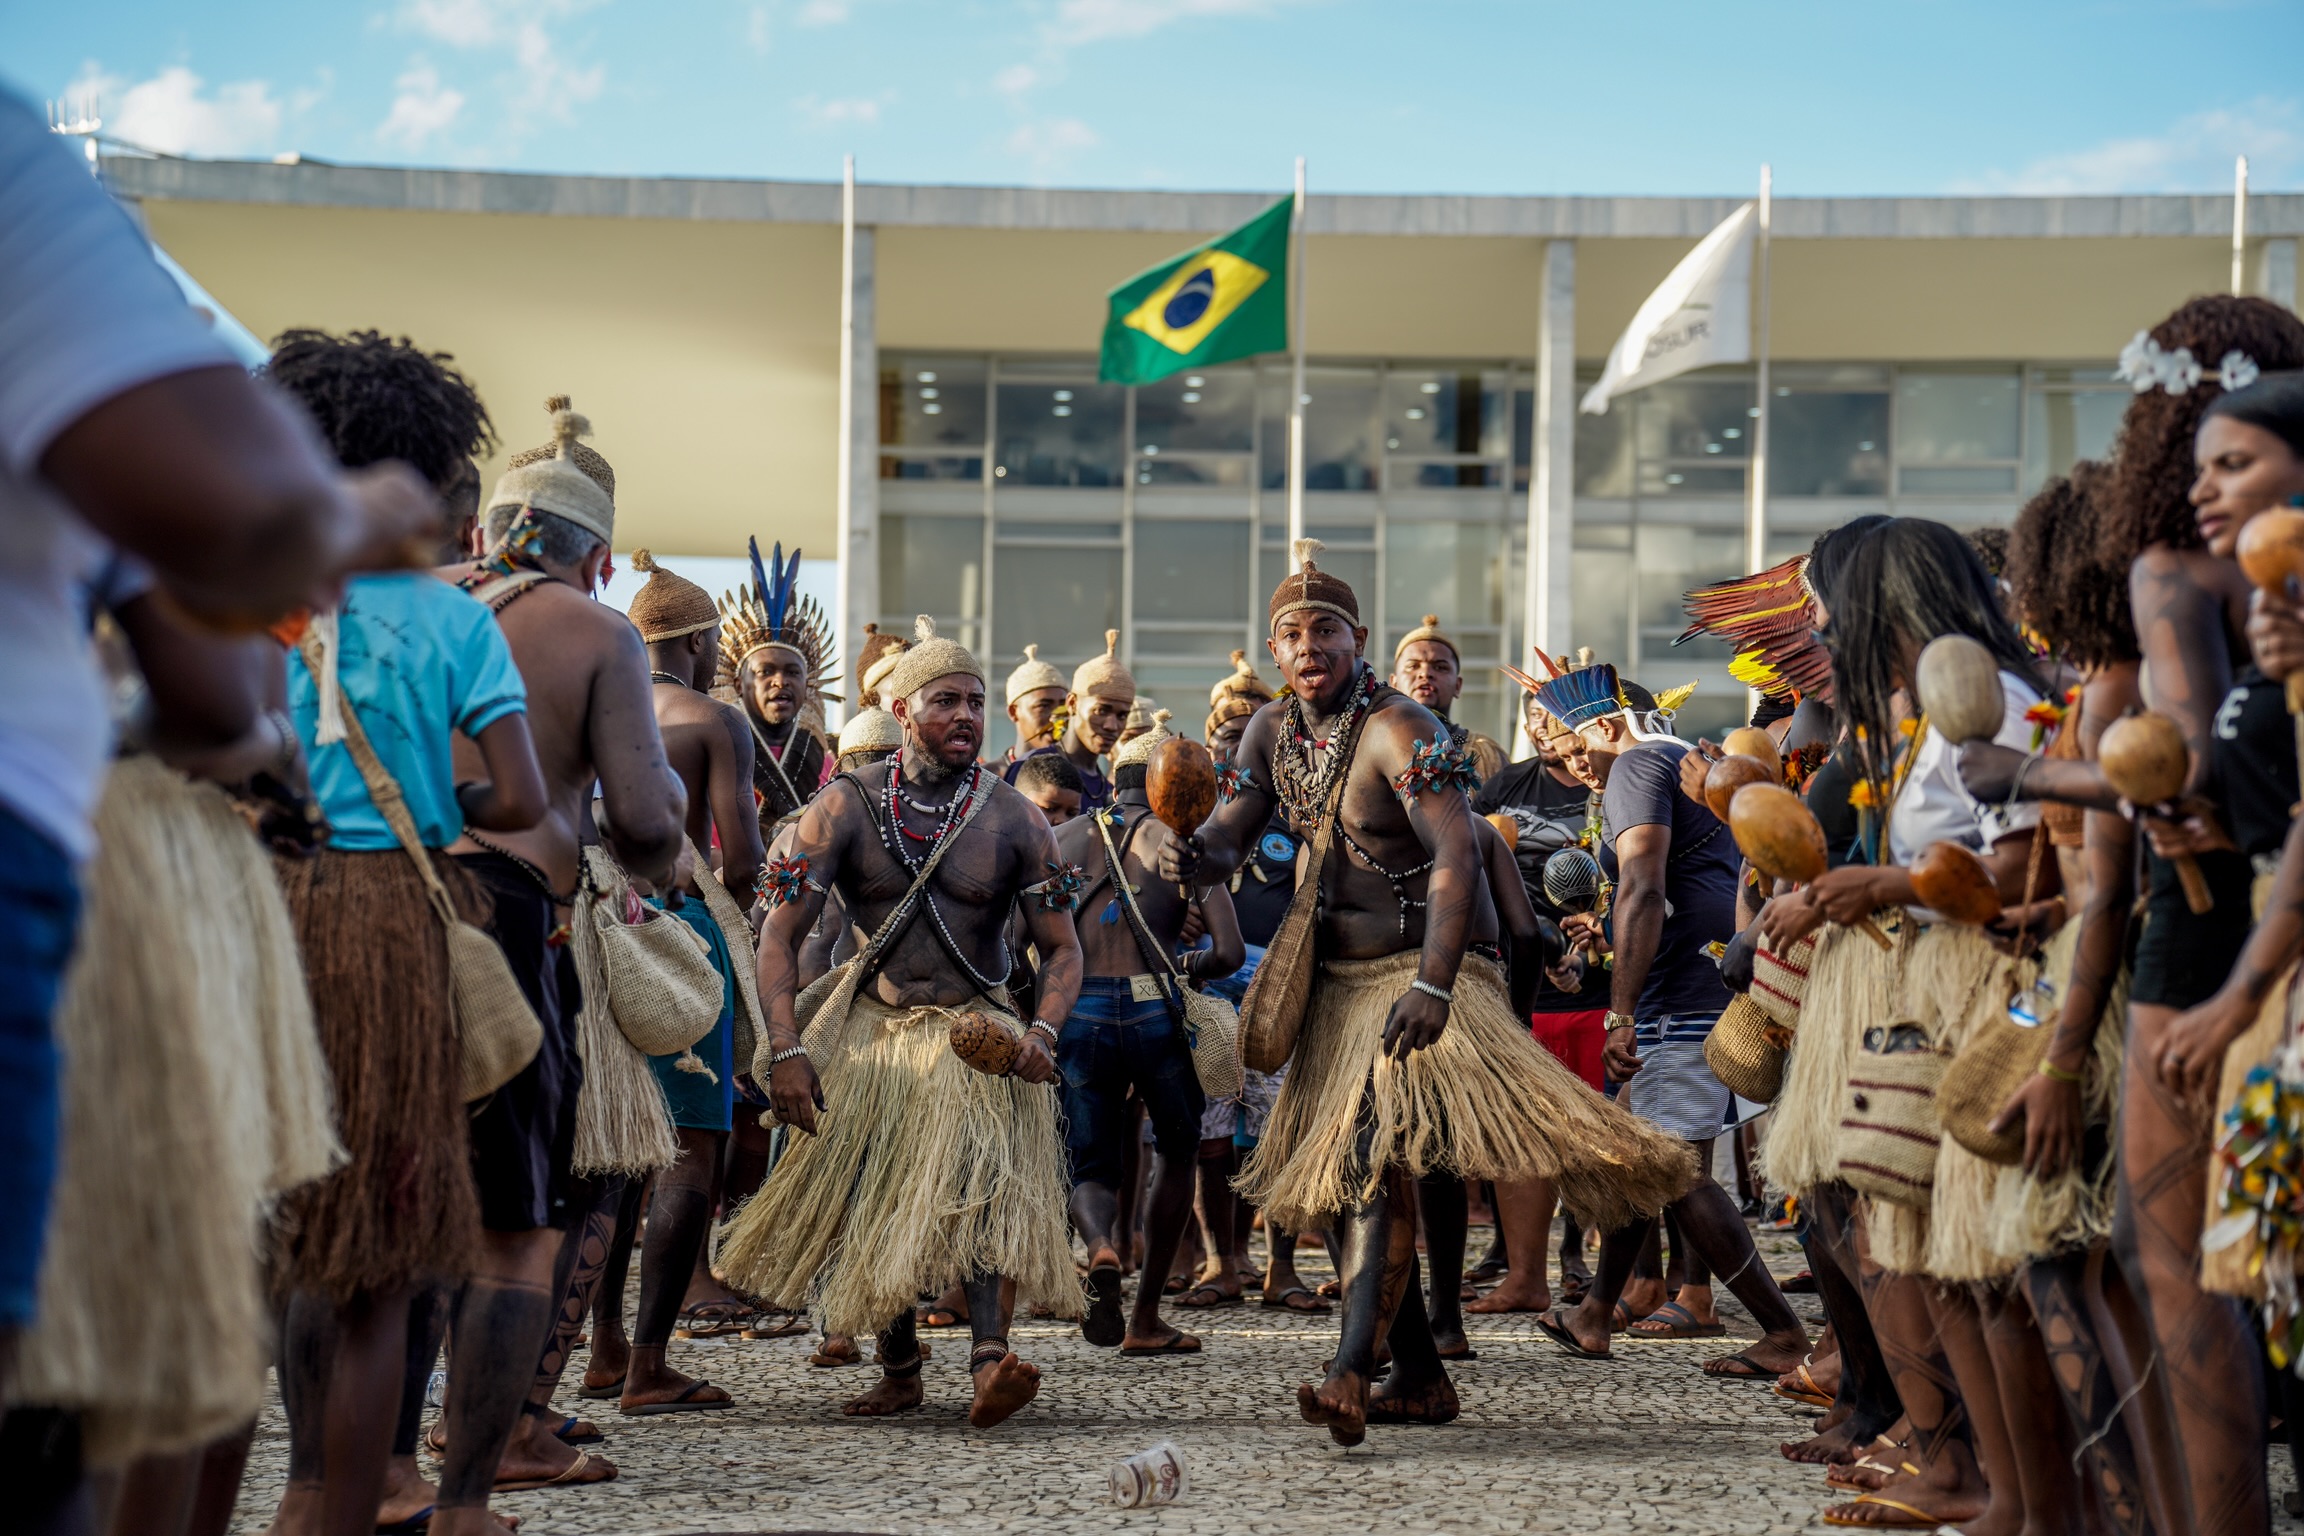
<point>2088,1366</point>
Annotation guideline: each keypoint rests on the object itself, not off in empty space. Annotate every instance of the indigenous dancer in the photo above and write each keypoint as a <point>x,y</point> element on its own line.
<point>1409,1057</point>
<point>549,524</point>
<point>1035,694</point>
<point>1125,1046</point>
<point>915,1169</point>
<point>776,658</point>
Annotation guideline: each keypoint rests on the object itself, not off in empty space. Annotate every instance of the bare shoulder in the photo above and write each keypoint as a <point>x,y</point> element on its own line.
<point>1398,724</point>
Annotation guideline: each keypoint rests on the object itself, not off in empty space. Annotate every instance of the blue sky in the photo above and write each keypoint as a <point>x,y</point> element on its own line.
<point>1381,95</point>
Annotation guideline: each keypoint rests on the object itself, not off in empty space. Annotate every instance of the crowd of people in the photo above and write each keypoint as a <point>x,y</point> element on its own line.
<point>397,940</point>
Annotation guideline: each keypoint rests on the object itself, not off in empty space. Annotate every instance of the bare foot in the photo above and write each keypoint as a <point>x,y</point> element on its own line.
<point>611,1357</point>
<point>299,1511</point>
<point>652,1387</point>
<point>949,1310</point>
<point>536,1457</point>
<point>1898,1500</point>
<point>1513,1296</point>
<point>891,1394</point>
<point>1433,1403</point>
<point>471,1520</point>
<point>407,1492</point>
<point>837,1349</point>
<point>1340,1404</point>
<point>1764,1360</point>
<point>1002,1388</point>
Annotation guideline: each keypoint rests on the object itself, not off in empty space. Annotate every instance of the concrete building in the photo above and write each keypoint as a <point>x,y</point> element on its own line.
<point>1933,356</point>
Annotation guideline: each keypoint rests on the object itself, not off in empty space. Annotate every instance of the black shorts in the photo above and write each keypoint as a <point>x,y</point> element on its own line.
<point>524,1135</point>
<point>2183,956</point>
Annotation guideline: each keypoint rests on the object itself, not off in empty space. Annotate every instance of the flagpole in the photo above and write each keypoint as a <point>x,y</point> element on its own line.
<point>2239,226</point>
<point>1296,372</point>
<point>1756,513</point>
<point>844,499</point>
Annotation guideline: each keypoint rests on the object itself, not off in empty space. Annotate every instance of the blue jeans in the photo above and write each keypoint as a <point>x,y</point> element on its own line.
<point>39,913</point>
<point>1113,1043</point>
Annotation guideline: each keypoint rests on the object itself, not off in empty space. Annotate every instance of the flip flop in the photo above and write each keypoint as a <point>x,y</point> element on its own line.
<point>1215,1297</point>
<point>684,1403</point>
<point>784,1328</point>
<point>1549,1325</point>
<point>568,1434</point>
<point>713,1319</point>
<point>1178,1343</point>
<point>1103,1326</point>
<point>415,1525</point>
<point>571,1477</point>
<point>1751,1369</point>
<point>1801,1284</point>
<point>1835,1474</point>
<point>1807,1392</point>
<point>1679,1323</point>
<point>601,1394</point>
<point>1620,1319</point>
<point>1919,1519</point>
<point>1285,1302</point>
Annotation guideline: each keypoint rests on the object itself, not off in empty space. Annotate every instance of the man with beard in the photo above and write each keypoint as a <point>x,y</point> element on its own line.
<point>1035,697</point>
<point>1407,1057</point>
<point>780,688</point>
<point>914,1169</point>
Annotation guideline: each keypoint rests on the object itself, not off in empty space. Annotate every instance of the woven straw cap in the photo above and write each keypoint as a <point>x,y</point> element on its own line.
<point>1428,630</point>
<point>1032,676</point>
<point>1103,677</point>
<point>564,478</point>
<point>1240,683</point>
<point>1308,586</point>
<point>668,606</point>
<point>871,730</point>
<point>875,646</point>
<point>930,657</point>
<point>1140,749</point>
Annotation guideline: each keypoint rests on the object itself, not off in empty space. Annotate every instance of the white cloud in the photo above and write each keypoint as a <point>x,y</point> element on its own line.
<point>823,13</point>
<point>176,113</point>
<point>2193,155</point>
<point>1089,21</point>
<point>756,29</point>
<point>863,110</point>
<point>1052,143</point>
<point>539,82</point>
<point>1016,79</point>
<point>421,107</point>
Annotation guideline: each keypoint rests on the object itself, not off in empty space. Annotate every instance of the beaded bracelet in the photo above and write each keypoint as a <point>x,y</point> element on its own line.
<point>787,1054</point>
<point>1429,990</point>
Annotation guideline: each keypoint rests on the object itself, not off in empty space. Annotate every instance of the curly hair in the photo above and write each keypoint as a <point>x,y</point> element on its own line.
<point>2064,587</point>
<point>2145,500</point>
<point>376,397</point>
<point>1991,546</point>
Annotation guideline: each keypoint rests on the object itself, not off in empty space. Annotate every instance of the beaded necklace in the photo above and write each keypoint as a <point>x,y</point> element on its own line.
<point>894,834</point>
<point>1304,768</point>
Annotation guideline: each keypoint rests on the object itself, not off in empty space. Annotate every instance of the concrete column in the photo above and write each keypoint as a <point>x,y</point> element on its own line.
<point>1552,482</point>
<point>860,560</point>
<point>2276,276</point>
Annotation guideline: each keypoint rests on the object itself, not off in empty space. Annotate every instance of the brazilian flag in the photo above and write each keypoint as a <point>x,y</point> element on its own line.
<point>1223,300</point>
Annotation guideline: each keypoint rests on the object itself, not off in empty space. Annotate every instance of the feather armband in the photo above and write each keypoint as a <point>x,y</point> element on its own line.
<point>1060,892</point>
<point>1442,765</point>
<point>783,881</point>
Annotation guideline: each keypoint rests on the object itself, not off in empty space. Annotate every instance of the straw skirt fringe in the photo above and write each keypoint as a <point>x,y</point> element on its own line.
<point>1964,984</point>
<point>377,962</point>
<point>1484,1101</point>
<point>1851,984</point>
<point>193,1093</point>
<point>922,1172</point>
<point>623,1125</point>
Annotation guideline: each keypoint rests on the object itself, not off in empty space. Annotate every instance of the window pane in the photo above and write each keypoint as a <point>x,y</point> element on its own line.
<point>1192,570</point>
<point>1828,445</point>
<point>1603,582</point>
<point>1451,477</point>
<point>1191,469</point>
<point>1445,411</point>
<point>931,402</point>
<point>1604,451</point>
<point>1060,432</point>
<point>1212,411</point>
<point>1011,526</point>
<point>1059,599</point>
<point>1191,644</point>
<point>1453,569</point>
<point>1695,419</point>
<point>1671,562</point>
<point>1686,479</point>
<point>1943,417</point>
<point>1339,429</point>
<point>940,467</point>
<point>932,565</point>
<point>2068,426</point>
<point>1956,480</point>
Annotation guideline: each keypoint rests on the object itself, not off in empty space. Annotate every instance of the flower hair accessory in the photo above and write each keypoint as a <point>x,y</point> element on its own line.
<point>2147,366</point>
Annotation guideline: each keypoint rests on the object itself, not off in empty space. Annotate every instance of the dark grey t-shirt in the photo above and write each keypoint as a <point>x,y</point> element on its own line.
<point>1699,879</point>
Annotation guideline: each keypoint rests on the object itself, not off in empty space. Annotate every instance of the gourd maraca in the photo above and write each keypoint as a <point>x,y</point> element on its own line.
<point>1951,881</point>
<point>1958,681</point>
<point>2271,551</point>
<point>1506,828</point>
<point>1751,741</point>
<point>1729,774</point>
<point>2145,760</point>
<point>1180,782</point>
<point>1780,835</point>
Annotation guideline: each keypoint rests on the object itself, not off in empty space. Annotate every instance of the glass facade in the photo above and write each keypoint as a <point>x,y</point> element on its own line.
<point>1021,501</point>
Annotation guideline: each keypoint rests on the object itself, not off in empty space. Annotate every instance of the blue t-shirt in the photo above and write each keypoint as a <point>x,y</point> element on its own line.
<point>419,661</point>
<point>1699,879</point>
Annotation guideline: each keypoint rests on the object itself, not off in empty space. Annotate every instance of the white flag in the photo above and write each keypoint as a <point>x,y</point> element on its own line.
<point>1700,315</point>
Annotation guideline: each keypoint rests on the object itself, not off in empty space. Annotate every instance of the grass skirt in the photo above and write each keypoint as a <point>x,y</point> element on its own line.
<point>923,1171</point>
<point>1484,1101</point>
<point>404,1209</point>
<point>1851,983</point>
<point>1963,985</point>
<point>193,1093</point>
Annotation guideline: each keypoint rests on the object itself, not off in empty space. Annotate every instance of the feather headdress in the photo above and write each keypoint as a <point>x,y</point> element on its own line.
<point>1767,621</point>
<point>775,613</point>
<point>1582,694</point>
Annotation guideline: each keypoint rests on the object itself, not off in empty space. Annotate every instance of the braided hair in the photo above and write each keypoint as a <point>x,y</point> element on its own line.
<point>376,398</point>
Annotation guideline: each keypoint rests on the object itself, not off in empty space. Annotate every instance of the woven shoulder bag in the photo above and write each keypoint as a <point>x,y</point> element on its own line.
<point>1746,1051</point>
<point>1889,1130</point>
<point>663,988</point>
<point>1780,980</point>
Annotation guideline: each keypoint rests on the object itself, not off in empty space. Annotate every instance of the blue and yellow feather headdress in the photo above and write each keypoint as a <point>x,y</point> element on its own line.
<point>775,613</point>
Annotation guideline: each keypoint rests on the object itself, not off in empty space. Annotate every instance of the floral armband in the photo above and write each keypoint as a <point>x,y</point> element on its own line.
<point>1442,765</point>
<point>784,879</point>
<point>1060,892</point>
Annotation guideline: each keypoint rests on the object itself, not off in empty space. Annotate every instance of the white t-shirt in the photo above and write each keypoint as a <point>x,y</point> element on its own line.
<point>1935,807</point>
<point>86,314</point>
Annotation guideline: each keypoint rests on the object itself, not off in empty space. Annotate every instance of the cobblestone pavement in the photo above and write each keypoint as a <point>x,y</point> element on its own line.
<point>1546,1443</point>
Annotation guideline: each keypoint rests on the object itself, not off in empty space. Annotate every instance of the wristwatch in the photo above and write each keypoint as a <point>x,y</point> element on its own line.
<point>1616,1021</point>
